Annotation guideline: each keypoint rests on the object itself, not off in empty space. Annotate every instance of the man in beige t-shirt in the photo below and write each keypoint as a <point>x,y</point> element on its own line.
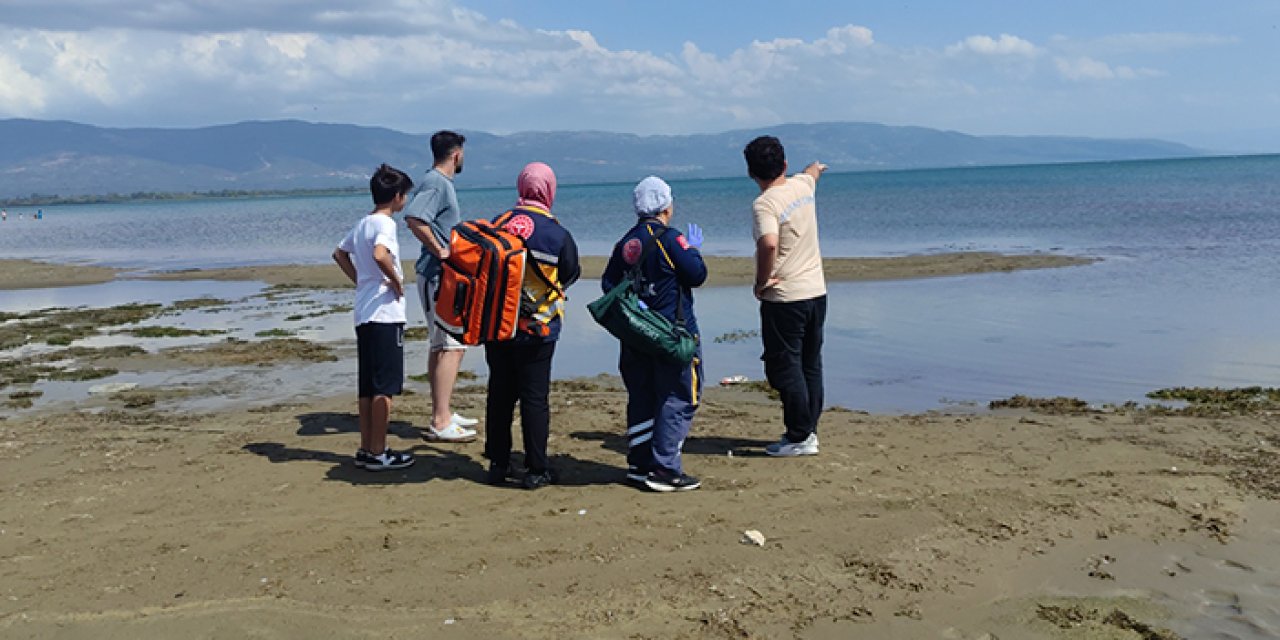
<point>792,290</point>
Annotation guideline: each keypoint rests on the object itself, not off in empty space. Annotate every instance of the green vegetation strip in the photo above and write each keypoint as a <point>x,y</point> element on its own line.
<point>22,399</point>
<point>1057,405</point>
<point>1213,401</point>
<point>170,332</point>
<point>337,308</point>
<point>198,303</point>
<point>60,327</point>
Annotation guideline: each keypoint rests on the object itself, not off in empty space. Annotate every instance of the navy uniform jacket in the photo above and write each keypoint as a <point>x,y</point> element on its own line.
<point>554,254</point>
<point>672,268</point>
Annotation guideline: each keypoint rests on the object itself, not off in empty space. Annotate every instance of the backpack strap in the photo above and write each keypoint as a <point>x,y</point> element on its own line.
<point>504,219</point>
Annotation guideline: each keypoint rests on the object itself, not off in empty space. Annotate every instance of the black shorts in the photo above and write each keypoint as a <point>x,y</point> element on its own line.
<point>380,349</point>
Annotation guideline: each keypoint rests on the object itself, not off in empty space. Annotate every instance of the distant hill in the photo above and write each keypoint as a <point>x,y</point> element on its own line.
<point>69,159</point>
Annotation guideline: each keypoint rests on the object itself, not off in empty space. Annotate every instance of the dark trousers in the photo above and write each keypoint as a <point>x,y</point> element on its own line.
<point>518,372</point>
<point>661,400</point>
<point>792,336</point>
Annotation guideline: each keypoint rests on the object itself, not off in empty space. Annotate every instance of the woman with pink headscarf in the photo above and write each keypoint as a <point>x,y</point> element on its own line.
<point>520,369</point>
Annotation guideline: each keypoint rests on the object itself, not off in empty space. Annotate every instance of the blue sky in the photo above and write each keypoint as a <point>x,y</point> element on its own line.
<point>1190,70</point>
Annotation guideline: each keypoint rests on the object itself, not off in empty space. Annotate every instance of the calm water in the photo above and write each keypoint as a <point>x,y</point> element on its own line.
<point>1186,294</point>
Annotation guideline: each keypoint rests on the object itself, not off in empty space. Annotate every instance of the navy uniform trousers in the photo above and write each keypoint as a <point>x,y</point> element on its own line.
<point>661,400</point>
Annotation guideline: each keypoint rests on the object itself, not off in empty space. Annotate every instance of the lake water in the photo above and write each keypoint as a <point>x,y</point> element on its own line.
<point>1186,293</point>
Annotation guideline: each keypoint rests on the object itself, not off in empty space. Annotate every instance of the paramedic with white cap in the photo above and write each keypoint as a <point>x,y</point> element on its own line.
<point>661,396</point>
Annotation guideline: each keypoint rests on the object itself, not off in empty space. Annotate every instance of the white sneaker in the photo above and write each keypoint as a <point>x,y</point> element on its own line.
<point>463,421</point>
<point>451,433</point>
<point>785,448</point>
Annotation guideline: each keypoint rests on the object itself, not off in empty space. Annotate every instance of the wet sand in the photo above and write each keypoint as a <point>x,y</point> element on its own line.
<point>29,274</point>
<point>724,271</point>
<point>141,523</point>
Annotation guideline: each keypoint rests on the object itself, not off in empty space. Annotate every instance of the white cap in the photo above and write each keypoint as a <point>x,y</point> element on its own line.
<point>651,196</point>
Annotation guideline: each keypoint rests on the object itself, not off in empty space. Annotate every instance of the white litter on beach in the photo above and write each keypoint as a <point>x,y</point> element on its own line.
<point>751,536</point>
<point>113,387</point>
<point>582,512</point>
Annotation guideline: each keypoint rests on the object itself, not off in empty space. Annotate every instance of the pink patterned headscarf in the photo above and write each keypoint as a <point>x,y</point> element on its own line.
<point>537,186</point>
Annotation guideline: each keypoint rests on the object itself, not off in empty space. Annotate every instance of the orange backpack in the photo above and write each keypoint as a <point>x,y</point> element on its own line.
<point>481,283</point>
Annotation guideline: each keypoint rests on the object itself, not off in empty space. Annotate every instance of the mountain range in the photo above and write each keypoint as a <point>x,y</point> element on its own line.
<point>57,158</point>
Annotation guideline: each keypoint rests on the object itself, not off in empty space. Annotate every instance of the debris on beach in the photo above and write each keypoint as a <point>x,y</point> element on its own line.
<point>735,379</point>
<point>751,536</point>
<point>113,387</point>
<point>738,336</point>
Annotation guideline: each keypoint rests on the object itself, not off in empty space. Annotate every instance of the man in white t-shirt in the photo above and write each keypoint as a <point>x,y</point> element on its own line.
<point>370,256</point>
<point>791,288</point>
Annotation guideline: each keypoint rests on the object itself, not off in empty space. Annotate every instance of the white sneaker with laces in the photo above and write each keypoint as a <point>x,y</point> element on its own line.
<point>451,433</point>
<point>786,449</point>
<point>463,421</point>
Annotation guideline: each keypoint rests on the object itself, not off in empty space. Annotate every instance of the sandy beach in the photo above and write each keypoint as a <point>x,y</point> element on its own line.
<point>29,274</point>
<point>138,523</point>
<point>127,515</point>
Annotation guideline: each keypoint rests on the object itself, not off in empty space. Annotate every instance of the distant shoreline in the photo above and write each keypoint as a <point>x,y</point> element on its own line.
<point>46,200</point>
<point>177,196</point>
<point>724,270</point>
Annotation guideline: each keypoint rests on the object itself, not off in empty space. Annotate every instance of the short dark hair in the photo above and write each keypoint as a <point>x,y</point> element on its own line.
<point>387,183</point>
<point>444,142</point>
<point>766,159</point>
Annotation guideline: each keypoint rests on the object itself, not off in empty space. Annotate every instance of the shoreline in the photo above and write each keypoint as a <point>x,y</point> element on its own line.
<point>161,517</point>
<point>723,270</point>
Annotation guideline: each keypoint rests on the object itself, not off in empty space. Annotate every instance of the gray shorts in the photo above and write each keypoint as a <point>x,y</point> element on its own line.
<point>440,340</point>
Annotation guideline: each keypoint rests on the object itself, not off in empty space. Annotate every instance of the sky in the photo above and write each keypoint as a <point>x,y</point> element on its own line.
<point>1202,72</point>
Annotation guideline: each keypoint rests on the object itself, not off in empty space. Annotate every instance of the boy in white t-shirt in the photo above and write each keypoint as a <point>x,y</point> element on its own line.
<point>370,256</point>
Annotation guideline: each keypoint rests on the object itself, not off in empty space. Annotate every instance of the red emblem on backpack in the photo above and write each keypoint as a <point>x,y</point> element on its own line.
<point>631,251</point>
<point>521,225</point>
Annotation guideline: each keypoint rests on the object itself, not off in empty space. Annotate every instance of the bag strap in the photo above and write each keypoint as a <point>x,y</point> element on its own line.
<point>648,245</point>
<point>506,217</point>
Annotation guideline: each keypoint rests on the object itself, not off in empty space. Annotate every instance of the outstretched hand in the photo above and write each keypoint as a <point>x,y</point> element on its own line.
<point>694,236</point>
<point>815,169</point>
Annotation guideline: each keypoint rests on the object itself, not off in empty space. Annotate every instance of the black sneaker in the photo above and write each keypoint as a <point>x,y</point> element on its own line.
<point>538,480</point>
<point>664,481</point>
<point>364,458</point>
<point>389,460</point>
<point>498,474</point>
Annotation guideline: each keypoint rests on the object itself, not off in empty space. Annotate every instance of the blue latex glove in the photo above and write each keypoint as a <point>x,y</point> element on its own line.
<point>694,237</point>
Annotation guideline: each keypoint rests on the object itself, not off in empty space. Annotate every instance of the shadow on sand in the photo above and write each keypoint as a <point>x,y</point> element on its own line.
<point>433,462</point>
<point>694,445</point>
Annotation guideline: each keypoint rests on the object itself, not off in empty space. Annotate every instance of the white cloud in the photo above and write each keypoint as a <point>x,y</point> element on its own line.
<point>841,39</point>
<point>417,65</point>
<point>1086,68</point>
<point>20,92</point>
<point>1005,45</point>
<point>1130,43</point>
